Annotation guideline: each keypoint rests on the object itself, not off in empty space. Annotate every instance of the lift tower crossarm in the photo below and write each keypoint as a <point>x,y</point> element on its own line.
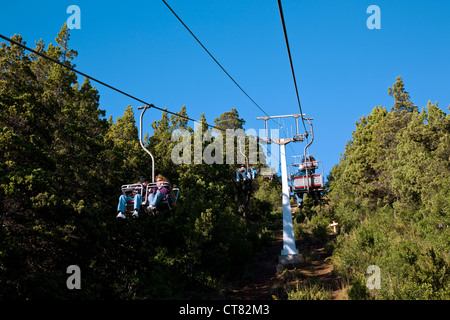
<point>297,137</point>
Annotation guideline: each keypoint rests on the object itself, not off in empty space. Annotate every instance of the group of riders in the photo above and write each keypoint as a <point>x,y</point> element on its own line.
<point>161,191</point>
<point>155,195</point>
<point>307,167</point>
<point>243,174</point>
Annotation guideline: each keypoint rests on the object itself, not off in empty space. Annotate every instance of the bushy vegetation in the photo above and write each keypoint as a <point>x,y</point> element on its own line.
<point>390,194</point>
<point>308,291</point>
<point>61,167</point>
<point>62,164</point>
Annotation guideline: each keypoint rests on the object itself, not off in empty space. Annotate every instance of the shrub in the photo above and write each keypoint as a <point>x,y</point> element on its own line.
<point>319,225</point>
<point>309,291</point>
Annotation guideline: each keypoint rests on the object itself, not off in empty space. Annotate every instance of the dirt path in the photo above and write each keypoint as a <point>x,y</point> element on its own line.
<point>264,273</point>
<point>319,268</point>
<point>266,279</point>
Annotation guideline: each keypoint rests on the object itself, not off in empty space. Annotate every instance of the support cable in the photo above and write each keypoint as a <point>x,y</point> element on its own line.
<point>212,57</point>
<point>290,60</point>
<point>101,82</point>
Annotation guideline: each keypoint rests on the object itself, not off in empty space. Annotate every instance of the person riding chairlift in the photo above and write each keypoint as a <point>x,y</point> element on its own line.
<point>241,173</point>
<point>159,192</point>
<point>301,171</point>
<point>252,174</point>
<point>136,197</point>
<point>311,164</point>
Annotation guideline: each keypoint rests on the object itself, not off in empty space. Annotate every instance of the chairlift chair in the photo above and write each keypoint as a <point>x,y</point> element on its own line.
<point>310,181</point>
<point>129,189</point>
<point>167,201</point>
<point>268,173</point>
<point>307,180</point>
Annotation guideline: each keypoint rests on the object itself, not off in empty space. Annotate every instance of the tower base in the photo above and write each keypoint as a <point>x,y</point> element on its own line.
<point>286,259</point>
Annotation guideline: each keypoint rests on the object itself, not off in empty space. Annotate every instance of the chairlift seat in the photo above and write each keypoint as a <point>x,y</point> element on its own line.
<point>168,200</point>
<point>131,189</point>
<point>308,183</point>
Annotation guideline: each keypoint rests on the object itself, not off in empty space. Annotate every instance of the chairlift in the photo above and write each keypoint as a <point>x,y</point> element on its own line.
<point>268,173</point>
<point>244,173</point>
<point>306,179</point>
<point>132,189</point>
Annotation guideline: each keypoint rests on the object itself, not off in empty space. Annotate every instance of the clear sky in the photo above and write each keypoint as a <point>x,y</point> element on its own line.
<point>343,68</point>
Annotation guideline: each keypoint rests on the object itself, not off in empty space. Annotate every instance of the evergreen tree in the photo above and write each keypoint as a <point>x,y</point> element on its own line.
<point>229,120</point>
<point>51,177</point>
<point>390,195</point>
<point>402,99</point>
<point>61,168</point>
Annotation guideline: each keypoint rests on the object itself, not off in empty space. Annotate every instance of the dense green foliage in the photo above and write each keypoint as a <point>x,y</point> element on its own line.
<point>391,195</point>
<point>62,164</point>
<point>61,168</point>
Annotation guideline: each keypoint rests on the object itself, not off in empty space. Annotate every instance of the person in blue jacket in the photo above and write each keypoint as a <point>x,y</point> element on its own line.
<point>253,173</point>
<point>241,174</point>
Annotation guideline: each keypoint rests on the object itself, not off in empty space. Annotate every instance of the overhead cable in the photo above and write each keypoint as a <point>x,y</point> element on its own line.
<point>290,60</point>
<point>98,81</point>
<point>212,57</point>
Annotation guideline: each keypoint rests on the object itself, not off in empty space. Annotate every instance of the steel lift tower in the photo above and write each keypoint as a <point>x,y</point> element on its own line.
<point>289,254</point>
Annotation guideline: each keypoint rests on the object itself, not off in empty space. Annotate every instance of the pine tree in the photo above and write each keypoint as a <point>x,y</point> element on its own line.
<point>402,99</point>
<point>229,120</point>
<point>52,178</point>
<point>390,195</point>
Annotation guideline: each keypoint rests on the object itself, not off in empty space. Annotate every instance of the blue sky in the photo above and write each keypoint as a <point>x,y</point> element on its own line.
<point>343,69</point>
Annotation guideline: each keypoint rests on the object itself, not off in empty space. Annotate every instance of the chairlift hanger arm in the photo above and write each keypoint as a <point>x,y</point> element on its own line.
<point>146,107</point>
<point>312,135</point>
<point>243,153</point>
<point>140,139</point>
